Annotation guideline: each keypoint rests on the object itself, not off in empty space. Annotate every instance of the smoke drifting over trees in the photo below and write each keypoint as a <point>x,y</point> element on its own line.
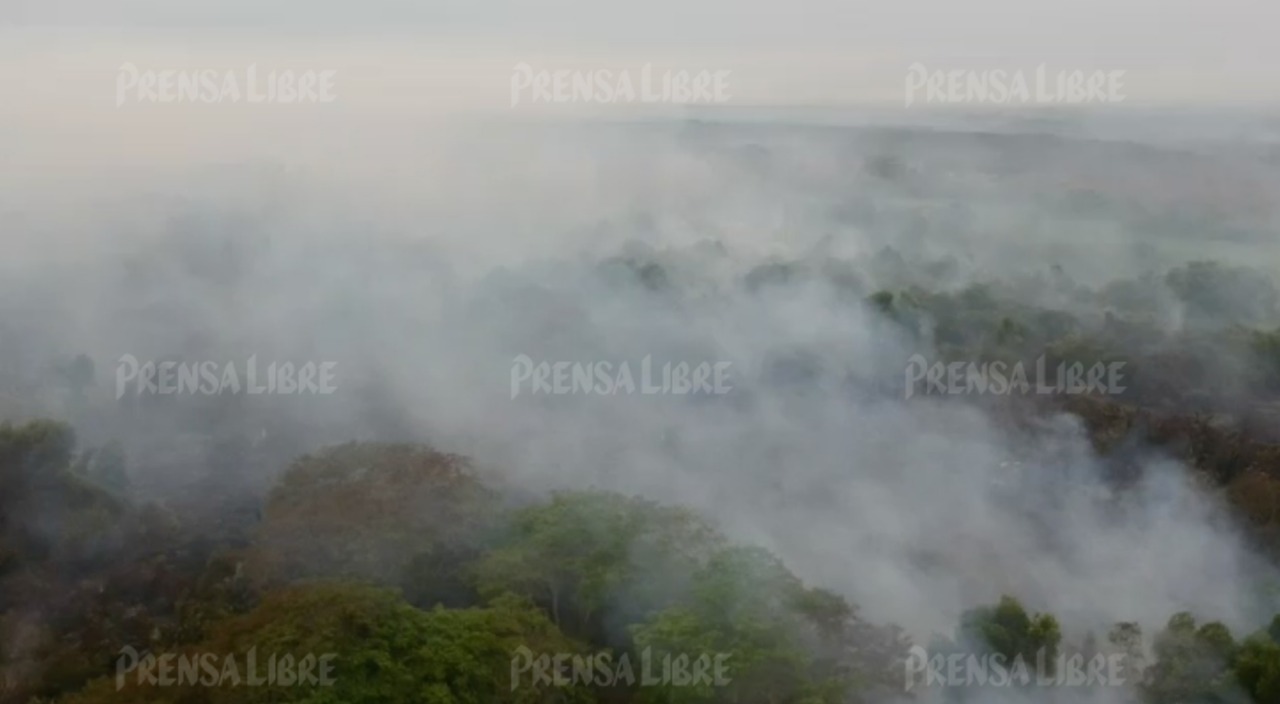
<point>811,520</point>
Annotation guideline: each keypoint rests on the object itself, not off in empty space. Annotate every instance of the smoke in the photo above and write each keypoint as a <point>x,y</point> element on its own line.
<point>424,266</point>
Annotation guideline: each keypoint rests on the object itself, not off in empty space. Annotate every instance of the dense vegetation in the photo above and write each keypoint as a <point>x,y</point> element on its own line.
<point>428,580</point>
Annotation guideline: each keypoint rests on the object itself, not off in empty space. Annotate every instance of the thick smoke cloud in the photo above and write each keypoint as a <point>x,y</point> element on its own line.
<point>426,268</point>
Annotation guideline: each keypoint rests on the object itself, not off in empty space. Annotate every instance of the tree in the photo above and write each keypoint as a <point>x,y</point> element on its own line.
<point>1008,630</point>
<point>783,642</point>
<point>584,552</point>
<point>1191,663</point>
<point>1257,667</point>
<point>380,649</point>
<point>365,510</point>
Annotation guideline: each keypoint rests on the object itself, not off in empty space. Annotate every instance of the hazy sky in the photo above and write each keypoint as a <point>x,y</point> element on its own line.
<point>460,53</point>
